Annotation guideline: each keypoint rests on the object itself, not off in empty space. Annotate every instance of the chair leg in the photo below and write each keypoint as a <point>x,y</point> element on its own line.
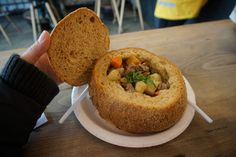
<point>51,14</point>
<point>98,7</point>
<point>95,6</point>
<point>5,35</point>
<point>36,16</point>
<point>134,10</point>
<point>118,2</point>
<point>13,23</point>
<point>115,11</point>
<point>140,14</point>
<point>33,22</point>
<point>121,16</point>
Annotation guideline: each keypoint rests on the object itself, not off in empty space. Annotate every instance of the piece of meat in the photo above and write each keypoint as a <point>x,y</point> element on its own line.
<point>129,87</point>
<point>144,67</point>
<point>163,86</point>
<point>146,73</point>
<point>131,68</point>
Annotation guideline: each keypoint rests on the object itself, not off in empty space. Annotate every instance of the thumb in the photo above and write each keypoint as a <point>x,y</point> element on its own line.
<point>37,49</point>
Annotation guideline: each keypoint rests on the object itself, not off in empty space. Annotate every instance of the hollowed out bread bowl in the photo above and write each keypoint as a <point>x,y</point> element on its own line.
<point>132,111</point>
<point>77,42</point>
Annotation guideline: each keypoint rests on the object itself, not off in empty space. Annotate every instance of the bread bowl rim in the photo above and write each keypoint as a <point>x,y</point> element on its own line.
<point>135,94</point>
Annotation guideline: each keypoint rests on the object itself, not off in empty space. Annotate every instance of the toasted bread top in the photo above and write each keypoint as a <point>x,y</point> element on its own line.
<point>77,42</point>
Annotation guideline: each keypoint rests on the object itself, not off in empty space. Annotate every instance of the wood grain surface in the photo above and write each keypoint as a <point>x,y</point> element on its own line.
<point>206,54</point>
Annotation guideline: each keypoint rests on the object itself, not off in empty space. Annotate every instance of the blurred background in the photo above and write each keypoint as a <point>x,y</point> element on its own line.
<point>22,21</point>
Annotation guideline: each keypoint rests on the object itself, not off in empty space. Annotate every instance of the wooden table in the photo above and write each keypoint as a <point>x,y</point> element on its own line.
<point>206,53</point>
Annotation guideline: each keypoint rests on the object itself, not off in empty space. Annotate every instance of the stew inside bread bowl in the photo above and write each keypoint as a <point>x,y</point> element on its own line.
<point>137,75</point>
<point>138,91</point>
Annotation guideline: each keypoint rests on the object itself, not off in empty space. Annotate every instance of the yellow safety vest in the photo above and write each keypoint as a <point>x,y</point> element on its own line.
<point>178,9</point>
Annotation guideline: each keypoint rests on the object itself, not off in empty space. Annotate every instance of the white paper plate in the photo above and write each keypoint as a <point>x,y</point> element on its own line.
<point>89,118</point>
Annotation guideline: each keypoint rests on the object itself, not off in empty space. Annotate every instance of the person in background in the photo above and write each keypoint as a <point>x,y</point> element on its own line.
<point>27,85</point>
<point>176,12</point>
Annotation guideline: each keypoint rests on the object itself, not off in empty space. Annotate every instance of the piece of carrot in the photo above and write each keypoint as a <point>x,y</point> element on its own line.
<point>116,62</point>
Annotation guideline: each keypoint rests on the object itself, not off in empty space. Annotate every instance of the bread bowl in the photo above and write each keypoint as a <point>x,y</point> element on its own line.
<point>137,112</point>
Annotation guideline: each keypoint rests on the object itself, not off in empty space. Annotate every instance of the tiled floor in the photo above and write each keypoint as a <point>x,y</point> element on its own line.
<point>24,38</point>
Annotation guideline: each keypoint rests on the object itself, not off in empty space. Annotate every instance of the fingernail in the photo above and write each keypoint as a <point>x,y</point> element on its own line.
<point>42,37</point>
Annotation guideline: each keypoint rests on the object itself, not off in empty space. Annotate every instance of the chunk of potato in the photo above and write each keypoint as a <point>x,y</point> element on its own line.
<point>123,80</point>
<point>150,89</point>
<point>114,75</point>
<point>140,86</point>
<point>156,78</point>
<point>121,71</point>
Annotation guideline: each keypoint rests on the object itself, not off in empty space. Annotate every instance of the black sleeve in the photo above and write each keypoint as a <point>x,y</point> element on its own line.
<point>25,92</point>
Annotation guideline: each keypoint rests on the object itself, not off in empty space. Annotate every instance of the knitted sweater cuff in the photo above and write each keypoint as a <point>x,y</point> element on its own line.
<point>29,80</point>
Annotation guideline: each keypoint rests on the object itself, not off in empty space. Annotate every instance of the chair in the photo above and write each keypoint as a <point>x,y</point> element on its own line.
<point>35,18</point>
<point>5,35</point>
<point>137,2</point>
<point>5,9</point>
<point>114,8</point>
<point>119,16</point>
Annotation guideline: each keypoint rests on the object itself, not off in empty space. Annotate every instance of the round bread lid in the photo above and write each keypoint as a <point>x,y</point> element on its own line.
<point>77,42</point>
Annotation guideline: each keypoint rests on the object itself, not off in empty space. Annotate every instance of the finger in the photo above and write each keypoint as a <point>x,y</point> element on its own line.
<point>44,65</point>
<point>37,49</point>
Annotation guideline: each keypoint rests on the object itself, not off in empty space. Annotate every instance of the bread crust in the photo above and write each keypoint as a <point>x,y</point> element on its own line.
<point>77,42</point>
<point>132,111</point>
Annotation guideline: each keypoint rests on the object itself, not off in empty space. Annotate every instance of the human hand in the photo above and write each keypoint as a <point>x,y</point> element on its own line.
<point>37,56</point>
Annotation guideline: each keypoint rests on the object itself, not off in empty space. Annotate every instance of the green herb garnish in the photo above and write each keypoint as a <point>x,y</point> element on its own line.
<point>135,76</point>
